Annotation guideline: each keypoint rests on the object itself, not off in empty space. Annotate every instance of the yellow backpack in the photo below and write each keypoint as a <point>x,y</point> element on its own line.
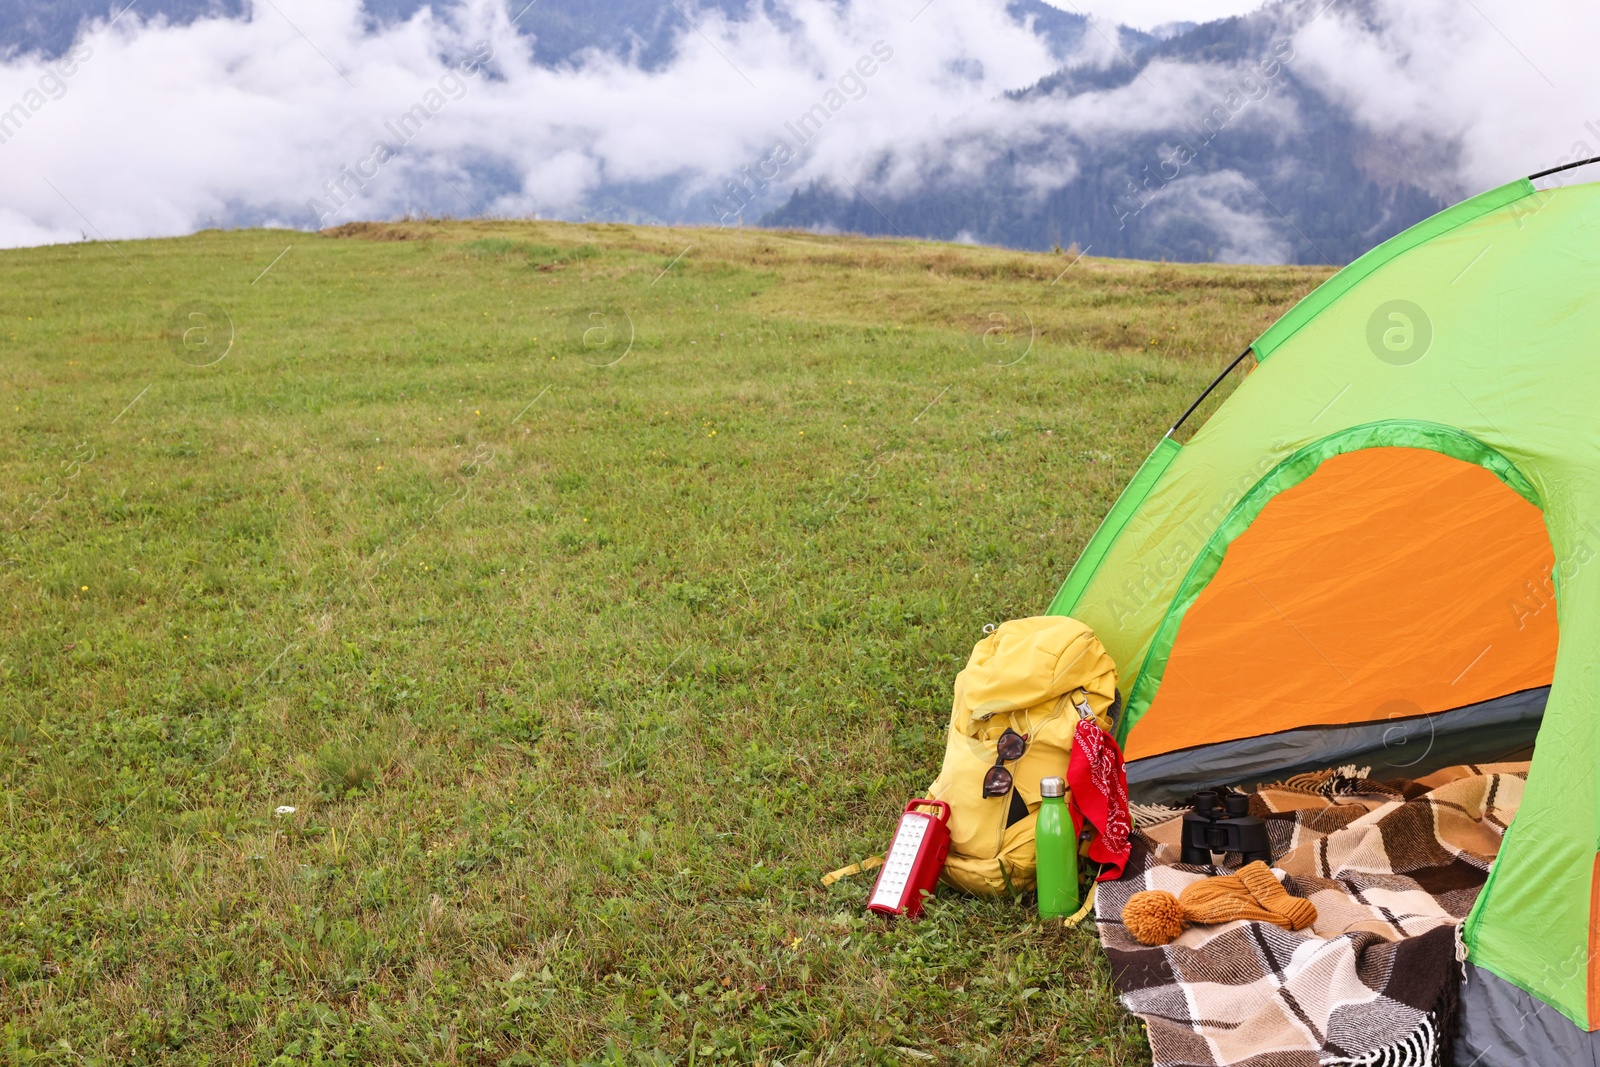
<point>1036,677</point>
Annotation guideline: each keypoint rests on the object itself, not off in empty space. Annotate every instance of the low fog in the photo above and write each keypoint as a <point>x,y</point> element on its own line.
<point>307,115</point>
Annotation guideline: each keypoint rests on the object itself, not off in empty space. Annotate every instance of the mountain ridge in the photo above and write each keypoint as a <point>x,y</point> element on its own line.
<point>1202,188</point>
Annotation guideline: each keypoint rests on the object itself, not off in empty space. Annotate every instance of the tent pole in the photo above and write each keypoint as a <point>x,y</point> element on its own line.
<point>1201,398</point>
<point>1564,166</point>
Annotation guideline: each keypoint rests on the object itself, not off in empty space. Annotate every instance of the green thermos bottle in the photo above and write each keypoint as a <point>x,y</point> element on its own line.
<point>1057,850</point>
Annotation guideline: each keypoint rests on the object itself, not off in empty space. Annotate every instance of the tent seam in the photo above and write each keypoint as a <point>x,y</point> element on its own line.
<point>1563,1012</point>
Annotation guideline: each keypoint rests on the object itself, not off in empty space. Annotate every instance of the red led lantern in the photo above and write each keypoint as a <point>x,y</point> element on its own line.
<point>915,860</point>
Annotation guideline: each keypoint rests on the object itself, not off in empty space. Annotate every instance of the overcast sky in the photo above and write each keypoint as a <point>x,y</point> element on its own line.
<point>158,129</point>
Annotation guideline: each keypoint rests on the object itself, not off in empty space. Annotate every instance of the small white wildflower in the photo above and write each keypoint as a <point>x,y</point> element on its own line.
<point>282,810</point>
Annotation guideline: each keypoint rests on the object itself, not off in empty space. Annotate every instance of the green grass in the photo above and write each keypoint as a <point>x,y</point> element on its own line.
<point>588,591</point>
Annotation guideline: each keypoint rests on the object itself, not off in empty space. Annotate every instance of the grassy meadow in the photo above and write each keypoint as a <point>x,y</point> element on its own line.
<point>586,591</point>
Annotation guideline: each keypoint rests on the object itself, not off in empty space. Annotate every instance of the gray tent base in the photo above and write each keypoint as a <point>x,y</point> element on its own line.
<point>1495,730</point>
<point>1499,1025</point>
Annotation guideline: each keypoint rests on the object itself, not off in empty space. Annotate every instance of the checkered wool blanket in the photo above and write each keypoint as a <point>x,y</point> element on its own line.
<point>1393,868</point>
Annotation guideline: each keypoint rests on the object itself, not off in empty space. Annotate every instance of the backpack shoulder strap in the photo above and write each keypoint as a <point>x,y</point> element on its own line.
<point>1071,921</point>
<point>854,868</point>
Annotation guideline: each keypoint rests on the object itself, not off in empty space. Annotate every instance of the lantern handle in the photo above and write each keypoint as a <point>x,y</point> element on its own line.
<point>944,809</point>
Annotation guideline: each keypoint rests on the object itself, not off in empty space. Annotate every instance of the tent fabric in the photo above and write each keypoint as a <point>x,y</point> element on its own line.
<point>1474,336</point>
<point>1495,731</point>
<point>1502,1026</point>
<point>1391,583</point>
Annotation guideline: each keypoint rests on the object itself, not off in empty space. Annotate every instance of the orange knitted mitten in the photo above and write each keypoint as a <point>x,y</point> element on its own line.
<point>1297,912</point>
<point>1156,917</point>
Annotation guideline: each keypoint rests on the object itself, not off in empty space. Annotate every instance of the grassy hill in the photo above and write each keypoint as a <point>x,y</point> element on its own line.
<point>586,591</point>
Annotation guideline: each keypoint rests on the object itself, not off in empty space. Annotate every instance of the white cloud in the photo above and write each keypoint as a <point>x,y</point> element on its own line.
<point>1467,96</point>
<point>1227,205</point>
<point>162,129</point>
<point>1149,14</point>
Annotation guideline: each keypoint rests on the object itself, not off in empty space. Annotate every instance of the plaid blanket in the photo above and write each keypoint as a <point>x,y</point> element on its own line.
<point>1393,868</point>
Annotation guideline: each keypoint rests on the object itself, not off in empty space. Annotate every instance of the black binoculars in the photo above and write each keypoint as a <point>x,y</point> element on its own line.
<point>1225,827</point>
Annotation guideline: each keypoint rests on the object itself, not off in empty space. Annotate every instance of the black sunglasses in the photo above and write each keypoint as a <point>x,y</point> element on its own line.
<point>1010,747</point>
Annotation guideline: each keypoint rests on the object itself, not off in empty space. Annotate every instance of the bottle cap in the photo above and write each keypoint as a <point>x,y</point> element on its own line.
<point>1052,787</point>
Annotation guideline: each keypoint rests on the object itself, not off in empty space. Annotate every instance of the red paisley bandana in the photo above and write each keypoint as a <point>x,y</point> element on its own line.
<point>1100,796</point>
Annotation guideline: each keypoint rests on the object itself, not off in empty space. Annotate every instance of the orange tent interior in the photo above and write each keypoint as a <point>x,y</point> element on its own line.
<point>1343,603</point>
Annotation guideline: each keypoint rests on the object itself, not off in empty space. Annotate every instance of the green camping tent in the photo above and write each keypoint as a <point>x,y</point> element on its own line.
<point>1384,548</point>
